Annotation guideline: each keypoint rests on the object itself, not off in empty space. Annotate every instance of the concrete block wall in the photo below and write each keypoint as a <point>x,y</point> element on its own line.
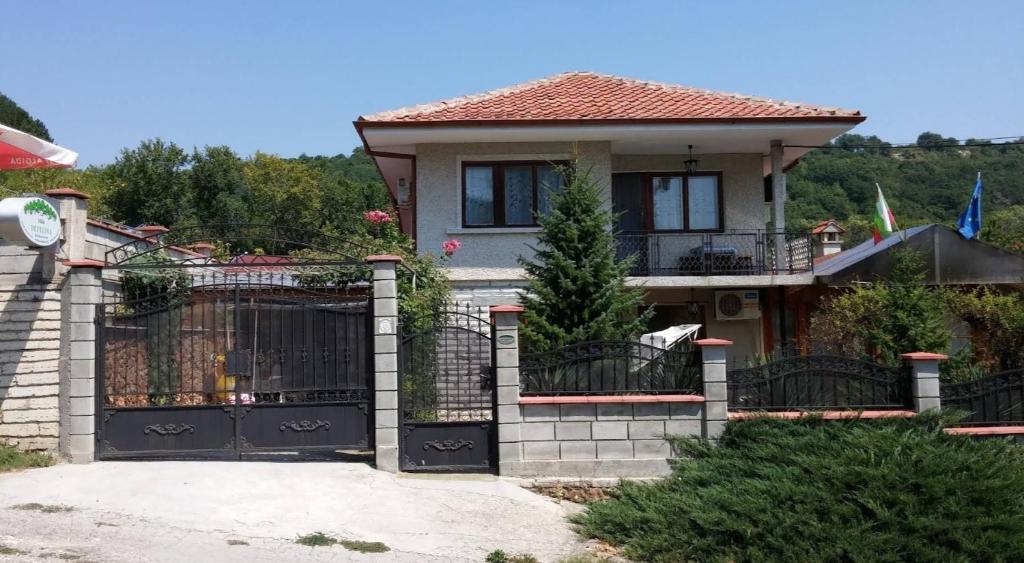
<point>30,340</point>
<point>601,440</point>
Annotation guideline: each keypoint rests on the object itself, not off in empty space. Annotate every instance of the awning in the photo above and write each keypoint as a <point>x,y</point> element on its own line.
<point>19,151</point>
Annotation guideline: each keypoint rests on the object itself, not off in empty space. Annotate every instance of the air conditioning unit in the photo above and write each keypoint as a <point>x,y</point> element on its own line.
<point>737,305</point>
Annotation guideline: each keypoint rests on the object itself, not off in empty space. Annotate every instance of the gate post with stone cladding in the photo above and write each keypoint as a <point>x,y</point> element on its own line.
<point>924,387</point>
<point>506,367</point>
<point>716,395</point>
<point>84,297</point>
<point>385,361</point>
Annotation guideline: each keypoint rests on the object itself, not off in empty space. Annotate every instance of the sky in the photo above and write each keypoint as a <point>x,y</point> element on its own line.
<point>290,77</point>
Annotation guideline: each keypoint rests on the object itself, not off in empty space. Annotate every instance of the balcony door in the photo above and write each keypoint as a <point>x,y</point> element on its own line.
<point>628,203</point>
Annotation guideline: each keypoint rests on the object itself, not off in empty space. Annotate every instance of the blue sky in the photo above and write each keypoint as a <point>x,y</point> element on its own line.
<point>290,77</point>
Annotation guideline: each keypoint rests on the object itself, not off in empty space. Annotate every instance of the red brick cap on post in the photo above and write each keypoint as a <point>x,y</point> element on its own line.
<point>152,229</point>
<point>713,342</point>
<point>83,263</point>
<point>507,309</point>
<point>66,192</point>
<point>924,356</point>
<point>384,258</point>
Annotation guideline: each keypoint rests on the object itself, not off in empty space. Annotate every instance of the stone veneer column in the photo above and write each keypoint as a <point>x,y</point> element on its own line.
<point>83,297</point>
<point>385,361</point>
<point>716,398</point>
<point>506,365</point>
<point>925,383</point>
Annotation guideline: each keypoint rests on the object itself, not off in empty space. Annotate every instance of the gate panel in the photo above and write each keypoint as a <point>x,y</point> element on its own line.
<point>233,364</point>
<point>321,426</point>
<point>208,431</point>
<point>447,394</point>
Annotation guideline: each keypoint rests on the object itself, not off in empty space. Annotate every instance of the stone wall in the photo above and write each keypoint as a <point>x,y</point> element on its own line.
<point>30,340</point>
<point>601,440</point>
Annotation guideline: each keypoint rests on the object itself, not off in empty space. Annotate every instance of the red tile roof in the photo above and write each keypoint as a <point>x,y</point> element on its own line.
<point>820,227</point>
<point>588,96</point>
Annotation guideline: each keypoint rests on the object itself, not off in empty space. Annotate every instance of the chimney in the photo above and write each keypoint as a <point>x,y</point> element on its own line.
<point>204,248</point>
<point>827,238</point>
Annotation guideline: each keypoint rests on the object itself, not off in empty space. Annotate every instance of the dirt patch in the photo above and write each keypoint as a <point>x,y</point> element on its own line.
<point>44,508</point>
<point>8,550</point>
<point>574,493</point>
<point>237,542</point>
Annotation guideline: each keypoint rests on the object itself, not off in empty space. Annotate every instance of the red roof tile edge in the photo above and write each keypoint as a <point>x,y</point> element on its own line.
<point>609,399</point>
<point>83,263</point>
<point>506,308</point>
<point>713,342</point>
<point>924,356</point>
<point>421,113</point>
<point>383,258</point>
<point>67,192</point>
<point>136,236</point>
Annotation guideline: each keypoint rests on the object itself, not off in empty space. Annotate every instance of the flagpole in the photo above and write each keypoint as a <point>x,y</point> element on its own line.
<point>903,234</point>
<point>978,236</point>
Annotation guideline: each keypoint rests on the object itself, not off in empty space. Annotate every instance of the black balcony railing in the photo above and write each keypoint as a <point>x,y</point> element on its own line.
<point>732,253</point>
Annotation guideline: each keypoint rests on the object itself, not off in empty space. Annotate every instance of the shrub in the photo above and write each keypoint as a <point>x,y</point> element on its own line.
<point>815,490</point>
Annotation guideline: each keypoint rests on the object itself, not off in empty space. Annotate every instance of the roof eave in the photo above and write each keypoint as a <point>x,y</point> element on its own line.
<point>363,123</point>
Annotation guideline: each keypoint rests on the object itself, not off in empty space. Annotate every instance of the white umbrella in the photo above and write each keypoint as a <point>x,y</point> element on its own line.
<point>19,150</point>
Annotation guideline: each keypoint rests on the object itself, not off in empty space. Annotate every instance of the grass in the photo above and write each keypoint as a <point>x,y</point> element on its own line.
<point>8,550</point>
<point>320,539</point>
<point>13,459</point>
<point>814,490</point>
<point>499,556</point>
<point>364,546</point>
<point>316,539</point>
<point>45,508</point>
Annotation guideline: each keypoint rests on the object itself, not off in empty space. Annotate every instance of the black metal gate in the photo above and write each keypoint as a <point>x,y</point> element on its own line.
<point>237,363</point>
<point>258,345</point>
<point>447,393</point>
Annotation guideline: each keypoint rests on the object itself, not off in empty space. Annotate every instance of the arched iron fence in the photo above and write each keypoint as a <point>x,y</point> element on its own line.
<point>994,399</point>
<point>610,368</point>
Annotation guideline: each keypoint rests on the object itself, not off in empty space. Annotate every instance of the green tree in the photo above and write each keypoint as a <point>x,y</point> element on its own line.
<point>285,192</point>
<point>218,190</point>
<point>150,184</point>
<point>12,115</point>
<point>577,289</point>
<point>1005,228</point>
<point>887,318</point>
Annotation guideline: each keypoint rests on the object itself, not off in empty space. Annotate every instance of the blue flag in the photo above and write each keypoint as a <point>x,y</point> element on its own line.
<point>969,223</point>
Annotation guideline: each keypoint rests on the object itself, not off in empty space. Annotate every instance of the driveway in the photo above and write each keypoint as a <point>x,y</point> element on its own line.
<point>253,511</point>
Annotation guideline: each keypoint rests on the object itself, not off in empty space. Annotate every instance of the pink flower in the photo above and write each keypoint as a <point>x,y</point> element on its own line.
<point>450,246</point>
<point>377,217</point>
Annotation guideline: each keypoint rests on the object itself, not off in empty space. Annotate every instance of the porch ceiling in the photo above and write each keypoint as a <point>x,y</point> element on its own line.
<point>669,138</point>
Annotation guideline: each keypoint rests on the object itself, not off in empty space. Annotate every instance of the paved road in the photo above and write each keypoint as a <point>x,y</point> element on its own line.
<point>188,511</point>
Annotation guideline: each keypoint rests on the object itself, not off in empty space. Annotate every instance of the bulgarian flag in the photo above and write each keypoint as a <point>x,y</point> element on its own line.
<point>883,222</point>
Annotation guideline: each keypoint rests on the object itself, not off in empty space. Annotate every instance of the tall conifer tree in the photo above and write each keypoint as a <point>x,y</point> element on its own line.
<point>577,289</point>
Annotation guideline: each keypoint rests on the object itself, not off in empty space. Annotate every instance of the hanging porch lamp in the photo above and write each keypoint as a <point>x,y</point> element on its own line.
<point>691,163</point>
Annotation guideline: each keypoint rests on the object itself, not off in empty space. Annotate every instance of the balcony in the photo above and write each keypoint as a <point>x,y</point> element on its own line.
<point>732,253</point>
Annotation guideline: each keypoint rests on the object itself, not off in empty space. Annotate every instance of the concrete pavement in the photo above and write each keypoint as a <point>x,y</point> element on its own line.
<point>188,511</point>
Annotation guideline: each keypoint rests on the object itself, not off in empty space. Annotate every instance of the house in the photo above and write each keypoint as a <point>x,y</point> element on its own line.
<point>947,259</point>
<point>697,178</point>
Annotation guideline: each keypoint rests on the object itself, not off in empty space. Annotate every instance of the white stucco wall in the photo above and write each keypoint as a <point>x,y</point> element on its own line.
<point>490,253</point>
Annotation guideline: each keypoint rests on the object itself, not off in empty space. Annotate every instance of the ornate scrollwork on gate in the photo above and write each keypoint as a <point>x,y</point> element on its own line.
<point>448,445</point>
<point>170,429</point>
<point>305,425</point>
